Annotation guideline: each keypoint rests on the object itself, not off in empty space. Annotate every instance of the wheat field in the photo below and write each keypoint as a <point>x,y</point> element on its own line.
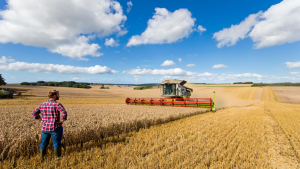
<point>242,93</point>
<point>262,135</point>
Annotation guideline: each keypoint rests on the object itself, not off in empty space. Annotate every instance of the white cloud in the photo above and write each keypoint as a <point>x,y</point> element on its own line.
<point>239,76</point>
<point>53,68</point>
<point>179,59</point>
<point>276,26</point>
<point>190,65</point>
<point>111,42</point>
<point>165,27</point>
<point>4,59</point>
<point>279,25</point>
<point>292,65</point>
<point>190,55</point>
<point>294,73</point>
<point>168,63</point>
<point>129,5</point>
<point>201,29</point>
<point>75,78</point>
<point>138,67</point>
<point>78,49</point>
<point>61,26</point>
<point>229,36</point>
<point>218,66</point>
<point>166,78</point>
<point>168,72</point>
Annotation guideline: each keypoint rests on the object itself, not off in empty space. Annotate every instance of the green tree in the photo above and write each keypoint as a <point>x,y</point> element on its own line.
<point>2,82</point>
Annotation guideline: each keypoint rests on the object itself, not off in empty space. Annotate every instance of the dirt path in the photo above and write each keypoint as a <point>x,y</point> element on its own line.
<point>259,94</point>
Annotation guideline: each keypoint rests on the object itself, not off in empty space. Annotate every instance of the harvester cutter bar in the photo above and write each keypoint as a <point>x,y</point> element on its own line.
<point>175,102</point>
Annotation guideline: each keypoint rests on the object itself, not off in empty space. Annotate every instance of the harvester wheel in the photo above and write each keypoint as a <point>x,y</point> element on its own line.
<point>213,107</point>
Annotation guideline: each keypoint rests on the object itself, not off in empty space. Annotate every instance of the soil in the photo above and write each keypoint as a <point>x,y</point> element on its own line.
<point>288,94</point>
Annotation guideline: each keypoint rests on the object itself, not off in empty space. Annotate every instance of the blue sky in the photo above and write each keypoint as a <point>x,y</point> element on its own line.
<point>106,41</point>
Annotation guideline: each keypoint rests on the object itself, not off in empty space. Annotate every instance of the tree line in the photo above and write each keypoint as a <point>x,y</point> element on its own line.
<point>59,84</point>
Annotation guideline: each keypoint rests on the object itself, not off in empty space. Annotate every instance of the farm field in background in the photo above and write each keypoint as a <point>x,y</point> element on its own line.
<point>251,129</point>
<point>288,94</point>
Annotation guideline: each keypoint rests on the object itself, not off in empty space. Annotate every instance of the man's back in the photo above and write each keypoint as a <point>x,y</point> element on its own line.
<point>50,111</point>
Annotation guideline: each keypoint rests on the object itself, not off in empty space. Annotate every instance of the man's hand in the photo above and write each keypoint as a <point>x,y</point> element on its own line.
<point>60,122</point>
<point>40,119</point>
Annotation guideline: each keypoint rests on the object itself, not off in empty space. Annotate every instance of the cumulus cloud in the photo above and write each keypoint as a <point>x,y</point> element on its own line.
<point>111,42</point>
<point>165,27</point>
<point>292,65</point>
<point>229,36</point>
<point>218,66</point>
<point>201,29</point>
<point>52,68</point>
<point>294,73</point>
<point>67,28</point>
<point>190,65</point>
<point>78,48</point>
<point>129,5</point>
<point>4,59</point>
<point>179,59</point>
<point>168,63</point>
<point>239,76</point>
<point>276,26</point>
<point>166,78</point>
<point>168,72</point>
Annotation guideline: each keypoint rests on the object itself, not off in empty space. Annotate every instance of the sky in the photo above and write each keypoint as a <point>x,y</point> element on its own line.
<point>136,42</point>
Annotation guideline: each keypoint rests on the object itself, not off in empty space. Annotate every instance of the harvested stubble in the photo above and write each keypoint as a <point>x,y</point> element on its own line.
<point>20,134</point>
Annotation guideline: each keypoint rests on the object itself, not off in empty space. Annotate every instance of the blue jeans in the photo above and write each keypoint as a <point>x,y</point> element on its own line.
<point>56,138</point>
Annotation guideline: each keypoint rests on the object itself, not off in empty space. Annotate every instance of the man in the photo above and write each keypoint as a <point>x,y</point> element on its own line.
<point>52,125</point>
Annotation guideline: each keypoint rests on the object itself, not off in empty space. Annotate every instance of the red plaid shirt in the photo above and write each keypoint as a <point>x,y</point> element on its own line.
<point>50,111</point>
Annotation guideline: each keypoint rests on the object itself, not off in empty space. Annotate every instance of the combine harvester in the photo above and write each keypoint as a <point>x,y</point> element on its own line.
<point>176,95</point>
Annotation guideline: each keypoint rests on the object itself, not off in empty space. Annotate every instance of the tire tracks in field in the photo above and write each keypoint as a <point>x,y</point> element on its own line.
<point>281,151</point>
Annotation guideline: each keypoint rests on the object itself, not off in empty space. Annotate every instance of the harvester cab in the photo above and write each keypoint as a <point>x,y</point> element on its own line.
<point>6,93</point>
<point>175,89</point>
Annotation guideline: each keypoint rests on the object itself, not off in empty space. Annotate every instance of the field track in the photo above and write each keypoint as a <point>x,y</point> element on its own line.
<point>262,135</point>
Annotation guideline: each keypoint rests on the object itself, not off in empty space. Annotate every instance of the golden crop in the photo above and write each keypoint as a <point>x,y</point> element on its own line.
<point>243,93</point>
<point>36,101</point>
<point>19,131</point>
<point>263,135</point>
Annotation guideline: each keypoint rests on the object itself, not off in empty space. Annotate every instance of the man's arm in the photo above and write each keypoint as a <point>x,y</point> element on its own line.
<point>36,114</point>
<point>63,112</point>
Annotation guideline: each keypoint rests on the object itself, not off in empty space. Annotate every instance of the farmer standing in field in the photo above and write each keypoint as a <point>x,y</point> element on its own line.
<point>52,125</point>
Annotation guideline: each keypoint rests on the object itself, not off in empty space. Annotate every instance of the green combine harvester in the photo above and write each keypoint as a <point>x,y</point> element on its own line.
<point>175,94</point>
